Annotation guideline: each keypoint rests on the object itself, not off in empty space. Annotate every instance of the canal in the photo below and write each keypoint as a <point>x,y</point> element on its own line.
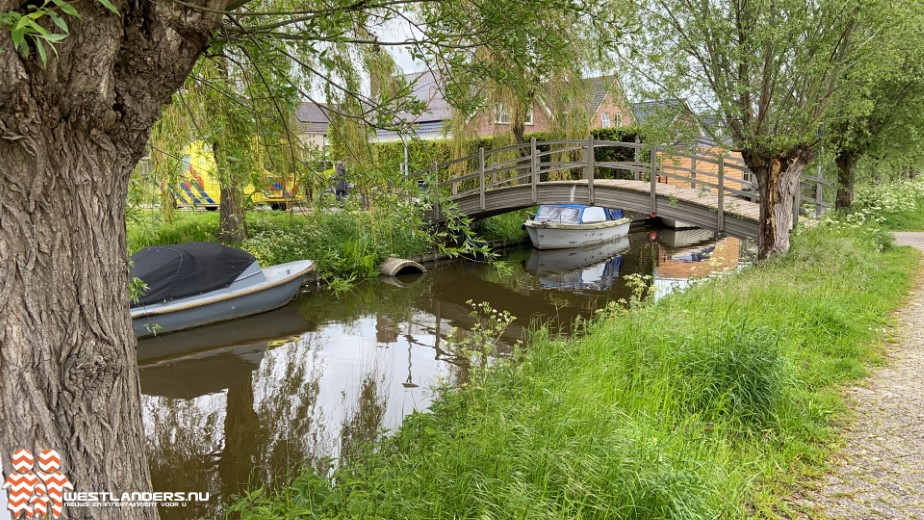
<point>251,403</point>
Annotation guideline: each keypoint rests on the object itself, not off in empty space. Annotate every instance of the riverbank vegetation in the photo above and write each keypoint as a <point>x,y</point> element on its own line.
<point>345,244</point>
<point>342,244</point>
<point>894,205</point>
<point>709,403</point>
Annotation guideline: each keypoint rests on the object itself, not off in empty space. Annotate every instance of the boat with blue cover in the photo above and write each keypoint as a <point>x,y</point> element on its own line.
<point>561,226</point>
<point>198,283</point>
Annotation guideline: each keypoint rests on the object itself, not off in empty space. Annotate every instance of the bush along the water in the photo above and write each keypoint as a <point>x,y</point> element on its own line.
<point>710,403</point>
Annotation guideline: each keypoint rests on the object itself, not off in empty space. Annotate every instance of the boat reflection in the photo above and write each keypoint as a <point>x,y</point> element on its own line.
<point>280,323</point>
<point>586,268</point>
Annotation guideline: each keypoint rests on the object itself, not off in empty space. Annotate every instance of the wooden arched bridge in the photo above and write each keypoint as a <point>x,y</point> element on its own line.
<point>705,188</point>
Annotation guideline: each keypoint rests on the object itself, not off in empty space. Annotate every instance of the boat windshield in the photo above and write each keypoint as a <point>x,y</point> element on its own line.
<point>558,214</point>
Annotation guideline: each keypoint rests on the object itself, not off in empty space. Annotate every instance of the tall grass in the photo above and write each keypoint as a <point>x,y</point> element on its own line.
<point>705,404</point>
<point>344,243</point>
<point>506,226</point>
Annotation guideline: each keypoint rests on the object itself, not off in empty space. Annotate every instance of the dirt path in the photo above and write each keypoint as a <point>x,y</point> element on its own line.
<point>880,471</point>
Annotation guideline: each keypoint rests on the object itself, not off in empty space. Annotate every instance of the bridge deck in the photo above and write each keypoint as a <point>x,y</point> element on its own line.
<point>509,178</point>
<point>701,196</point>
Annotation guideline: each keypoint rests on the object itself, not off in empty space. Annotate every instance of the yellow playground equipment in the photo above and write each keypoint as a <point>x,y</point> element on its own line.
<point>198,187</point>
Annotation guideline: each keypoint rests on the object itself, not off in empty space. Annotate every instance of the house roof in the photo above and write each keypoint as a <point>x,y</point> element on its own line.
<point>423,130</point>
<point>597,88</point>
<point>648,112</point>
<point>426,87</point>
<point>717,131</point>
<point>314,117</point>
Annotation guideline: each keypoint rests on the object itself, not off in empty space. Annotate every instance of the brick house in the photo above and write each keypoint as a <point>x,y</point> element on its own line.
<point>693,138</point>
<point>606,107</point>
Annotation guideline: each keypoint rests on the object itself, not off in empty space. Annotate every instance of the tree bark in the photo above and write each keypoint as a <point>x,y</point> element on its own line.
<point>70,135</point>
<point>777,182</point>
<point>232,226</point>
<point>846,164</point>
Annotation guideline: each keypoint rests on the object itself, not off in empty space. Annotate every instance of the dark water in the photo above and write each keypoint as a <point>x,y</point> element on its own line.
<point>249,403</point>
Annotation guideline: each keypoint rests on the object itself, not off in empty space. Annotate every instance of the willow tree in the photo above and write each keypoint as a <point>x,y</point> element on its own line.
<point>73,124</point>
<point>881,117</point>
<point>769,70</point>
<point>486,73</point>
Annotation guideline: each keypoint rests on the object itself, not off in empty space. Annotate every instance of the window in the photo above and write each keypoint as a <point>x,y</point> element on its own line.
<point>617,119</point>
<point>604,120</point>
<point>558,214</point>
<point>593,214</point>
<point>529,117</point>
<point>502,114</point>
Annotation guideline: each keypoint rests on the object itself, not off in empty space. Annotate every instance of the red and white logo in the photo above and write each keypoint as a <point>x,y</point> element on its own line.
<point>36,494</point>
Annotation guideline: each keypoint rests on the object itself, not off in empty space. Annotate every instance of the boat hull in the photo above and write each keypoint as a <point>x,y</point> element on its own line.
<point>554,235</point>
<point>223,305</point>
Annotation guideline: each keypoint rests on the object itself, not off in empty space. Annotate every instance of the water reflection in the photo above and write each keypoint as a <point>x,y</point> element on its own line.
<point>251,402</point>
<point>595,267</point>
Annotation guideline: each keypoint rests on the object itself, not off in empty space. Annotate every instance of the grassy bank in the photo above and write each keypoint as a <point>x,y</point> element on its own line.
<point>705,404</point>
<point>342,244</point>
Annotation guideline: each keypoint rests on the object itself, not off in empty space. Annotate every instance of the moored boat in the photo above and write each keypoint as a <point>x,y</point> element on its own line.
<point>198,283</point>
<point>560,226</point>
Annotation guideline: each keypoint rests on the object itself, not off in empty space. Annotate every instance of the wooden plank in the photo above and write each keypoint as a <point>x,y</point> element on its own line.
<point>653,180</point>
<point>481,176</point>
<point>637,158</point>
<point>693,172</point>
<point>721,204</point>
<point>589,172</point>
<point>534,166</point>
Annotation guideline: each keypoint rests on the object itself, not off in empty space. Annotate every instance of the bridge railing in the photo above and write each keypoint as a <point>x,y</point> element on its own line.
<point>533,163</point>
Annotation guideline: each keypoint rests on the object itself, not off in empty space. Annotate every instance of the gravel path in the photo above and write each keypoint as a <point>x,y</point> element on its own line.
<point>880,470</point>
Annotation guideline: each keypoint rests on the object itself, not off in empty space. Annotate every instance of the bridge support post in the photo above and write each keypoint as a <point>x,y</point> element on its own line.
<point>653,179</point>
<point>637,159</point>
<point>720,223</point>
<point>481,177</point>
<point>818,200</point>
<point>589,170</point>
<point>693,171</point>
<point>434,171</point>
<point>534,167</point>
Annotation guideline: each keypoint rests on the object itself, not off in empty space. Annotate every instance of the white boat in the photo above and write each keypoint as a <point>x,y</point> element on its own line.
<point>560,226</point>
<point>198,283</point>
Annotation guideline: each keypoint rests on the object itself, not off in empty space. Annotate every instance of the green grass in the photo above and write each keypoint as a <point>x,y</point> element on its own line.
<point>707,404</point>
<point>507,226</point>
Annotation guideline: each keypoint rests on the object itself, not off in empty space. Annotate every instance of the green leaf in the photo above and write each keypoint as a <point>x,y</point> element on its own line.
<point>60,22</point>
<point>108,5</point>
<point>67,8</point>
<point>53,37</point>
<point>41,51</point>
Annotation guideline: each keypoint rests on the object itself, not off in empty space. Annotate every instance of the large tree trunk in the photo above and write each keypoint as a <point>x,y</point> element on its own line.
<point>846,164</point>
<point>777,182</point>
<point>70,135</point>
